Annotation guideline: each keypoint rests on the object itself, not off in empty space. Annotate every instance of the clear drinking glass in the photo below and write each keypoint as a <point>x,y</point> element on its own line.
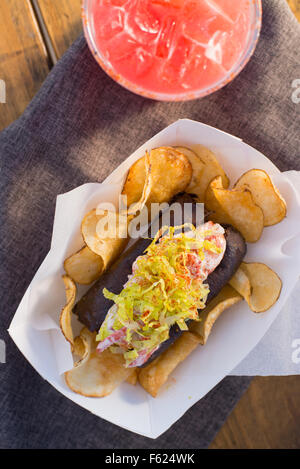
<point>123,9</point>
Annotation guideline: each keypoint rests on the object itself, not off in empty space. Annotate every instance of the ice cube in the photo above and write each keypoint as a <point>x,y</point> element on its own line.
<point>203,20</point>
<point>142,61</point>
<point>217,7</point>
<point>167,38</point>
<point>108,22</point>
<point>214,48</point>
<point>189,67</point>
<point>177,64</point>
<point>202,70</point>
<point>120,47</point>
<point>231,9</point>
<point>141,23</point>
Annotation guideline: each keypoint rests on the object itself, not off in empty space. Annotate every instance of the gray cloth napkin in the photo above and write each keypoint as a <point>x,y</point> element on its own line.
<point>78,128</point>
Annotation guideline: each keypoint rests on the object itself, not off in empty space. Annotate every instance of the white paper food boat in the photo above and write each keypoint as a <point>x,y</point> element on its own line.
<point>35,327</point>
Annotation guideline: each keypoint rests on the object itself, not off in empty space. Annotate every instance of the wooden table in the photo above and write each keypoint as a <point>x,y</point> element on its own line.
<point>33,35</point>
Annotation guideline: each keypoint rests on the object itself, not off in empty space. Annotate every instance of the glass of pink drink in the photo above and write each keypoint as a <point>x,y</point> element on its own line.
<point>172,50</point>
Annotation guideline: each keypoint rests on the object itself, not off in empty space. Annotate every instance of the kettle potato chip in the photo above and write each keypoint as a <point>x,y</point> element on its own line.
<point>110,245</point>
<point>170,173</point>
<point>259,285</point>
<point>153,376</point>
<point>241,283</point>
<point>210,170</point>
<point>66,313</point>
<point>235,207</point>
<point>197,166</point>
<point>265,286</point>
<point>226,298</point>
<point>96,374</point>
<point>264,194</point>
<point>133,378</point>
<point>84,266</point>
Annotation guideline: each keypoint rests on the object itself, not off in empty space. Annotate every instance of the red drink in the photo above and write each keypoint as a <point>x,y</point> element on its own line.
<point>172,49</point>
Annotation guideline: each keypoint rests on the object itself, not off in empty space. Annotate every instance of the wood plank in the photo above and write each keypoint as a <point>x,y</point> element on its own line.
<point>295,7</point>
<point>267,416</point>
<point>23,58</point>
<point>63,22</point>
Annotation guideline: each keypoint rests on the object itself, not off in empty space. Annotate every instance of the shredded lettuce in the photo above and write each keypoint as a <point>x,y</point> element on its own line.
<point>103,333</point>
<point>131,355</point>
<point>161,292</point>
